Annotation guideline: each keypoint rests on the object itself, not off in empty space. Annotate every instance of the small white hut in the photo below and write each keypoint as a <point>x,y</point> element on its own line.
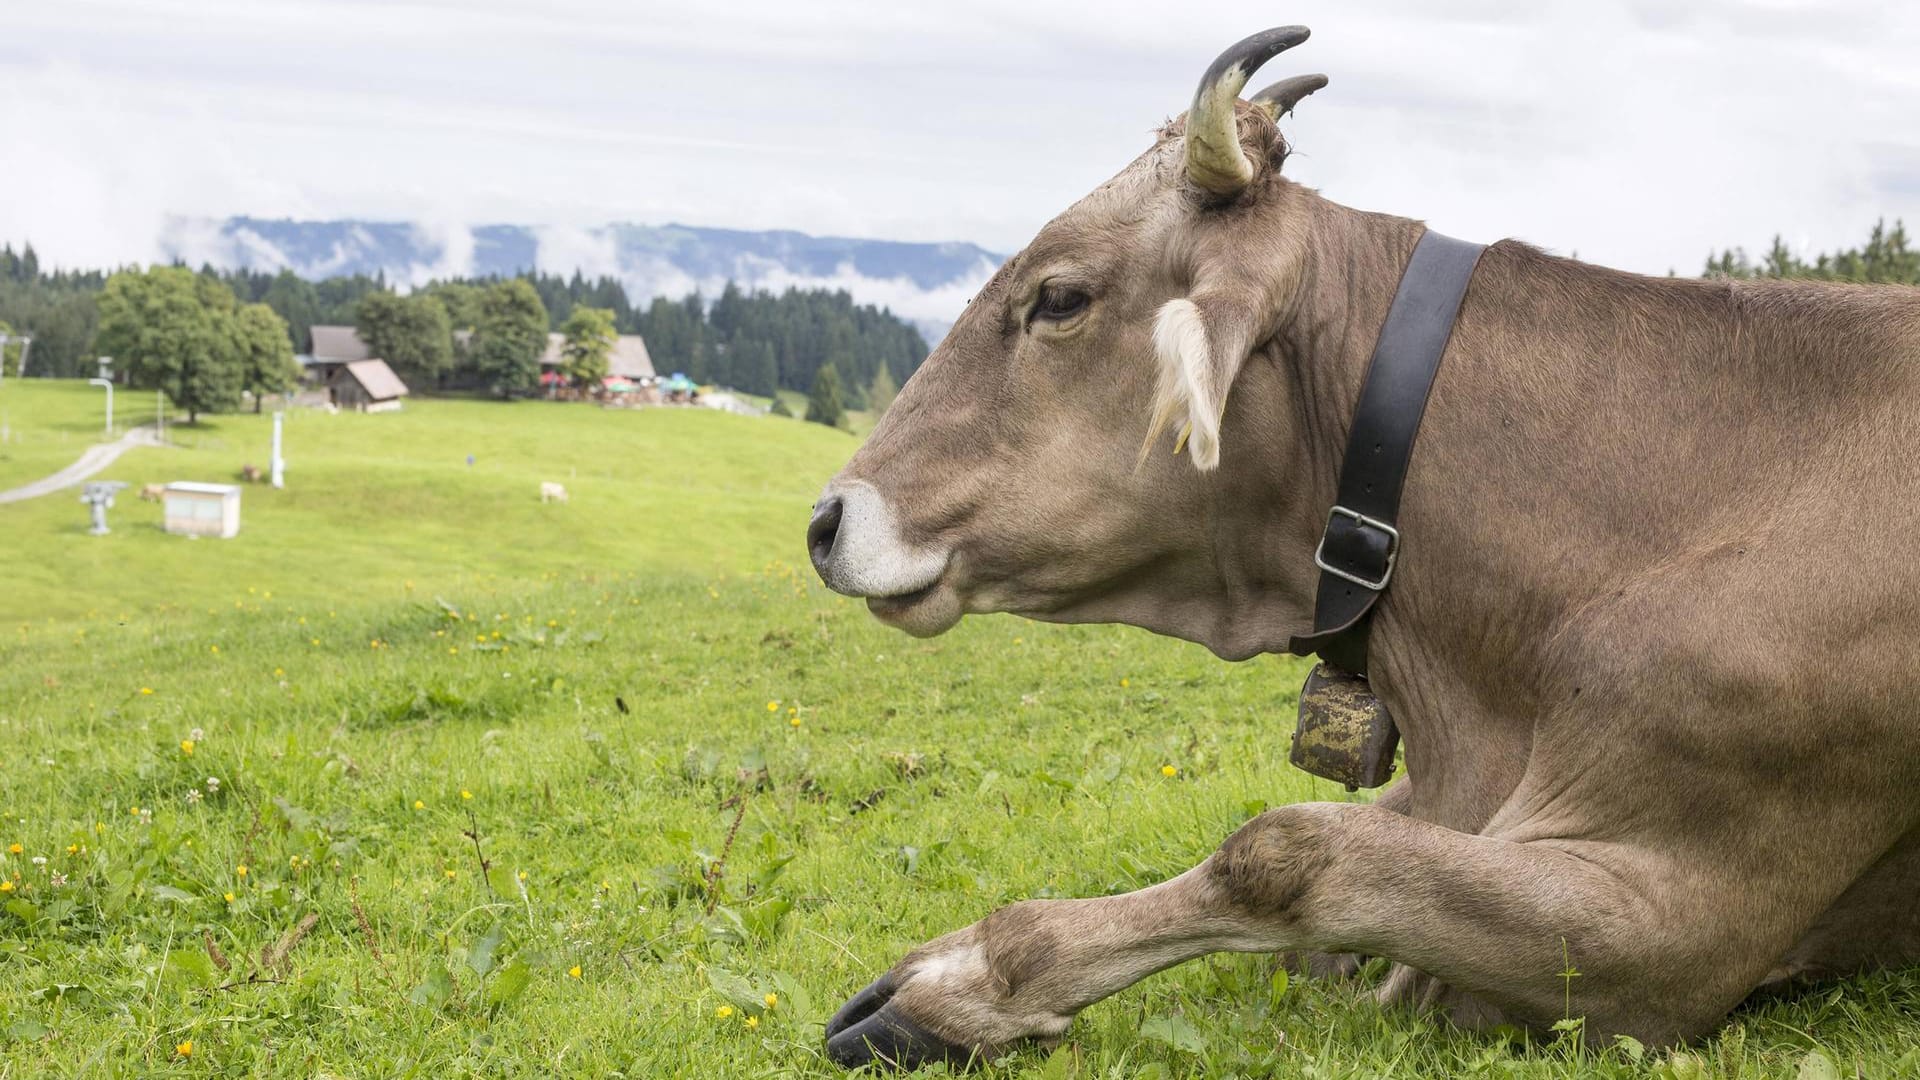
<point>194,509</point>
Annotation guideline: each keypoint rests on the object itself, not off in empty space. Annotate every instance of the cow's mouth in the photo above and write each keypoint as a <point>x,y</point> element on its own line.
<point>931,609</point>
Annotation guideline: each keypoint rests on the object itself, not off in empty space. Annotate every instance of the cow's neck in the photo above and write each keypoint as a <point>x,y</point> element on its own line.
<point>1430,637</point>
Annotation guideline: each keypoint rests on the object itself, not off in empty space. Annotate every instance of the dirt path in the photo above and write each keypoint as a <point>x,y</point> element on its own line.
<point>93,461</point>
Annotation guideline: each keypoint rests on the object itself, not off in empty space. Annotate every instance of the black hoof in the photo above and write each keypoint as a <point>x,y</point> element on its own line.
<point>868,1030</point>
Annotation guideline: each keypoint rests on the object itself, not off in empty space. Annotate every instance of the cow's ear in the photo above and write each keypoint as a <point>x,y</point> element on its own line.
<point>1200,344</point>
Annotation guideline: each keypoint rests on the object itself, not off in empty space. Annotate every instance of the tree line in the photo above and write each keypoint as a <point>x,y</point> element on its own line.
<point>488,333</point>
<point>1887,258</point>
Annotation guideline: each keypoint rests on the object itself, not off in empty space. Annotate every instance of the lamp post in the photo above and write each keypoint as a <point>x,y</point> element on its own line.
<point>108,383</point>
<point>26,342</point>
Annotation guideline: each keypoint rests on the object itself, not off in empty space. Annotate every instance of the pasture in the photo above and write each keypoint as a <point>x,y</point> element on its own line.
<point>419,777</point>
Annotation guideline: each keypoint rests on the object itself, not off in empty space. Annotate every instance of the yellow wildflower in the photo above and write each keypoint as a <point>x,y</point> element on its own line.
<point>241,870</point>
<point>1124,683</point>
<point>185,1049</point>
<point>794,720</point>
<point>214,649</point>
<point>1169,770</point>
<point>723,1011</point>
<point>419,805</point>
<point>773,706</point>
<point>465,794</point>
<point>752,1022</point>
<point>133,810</point>
<point>186,747</point>
<point>229,898</point>
<point>146,690</point>
<point>277,672</point>
<point>73,849</point>
<point>574,971</point>
<point>6,886</point>
<point>451,875</point>
<point>772,1000</point>
<point>313,641</point>
<point>15,849</point>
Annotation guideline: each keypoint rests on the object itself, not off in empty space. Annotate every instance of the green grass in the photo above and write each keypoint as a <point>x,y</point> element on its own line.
<point>398,629</point>
<point>48,424</point>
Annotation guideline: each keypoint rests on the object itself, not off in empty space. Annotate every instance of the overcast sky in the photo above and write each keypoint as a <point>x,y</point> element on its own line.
<point>1638,134</point>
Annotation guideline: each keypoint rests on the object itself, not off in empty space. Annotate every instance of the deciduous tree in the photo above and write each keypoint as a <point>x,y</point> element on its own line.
<point>173,330</point>
<point>266,353</point>
<point>590,338</point>
<point>413,334</point>
<point>510,336</point>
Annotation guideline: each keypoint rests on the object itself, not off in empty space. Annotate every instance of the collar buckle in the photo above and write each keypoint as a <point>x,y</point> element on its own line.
<point>1357,546</point>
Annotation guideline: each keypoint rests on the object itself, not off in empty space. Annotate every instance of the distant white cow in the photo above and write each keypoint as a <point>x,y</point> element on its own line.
<point>552,492</point>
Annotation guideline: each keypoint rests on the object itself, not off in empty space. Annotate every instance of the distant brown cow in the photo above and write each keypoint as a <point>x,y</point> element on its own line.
<point>252,474</point>
<point>153,492</point>
<point>1653,642</point>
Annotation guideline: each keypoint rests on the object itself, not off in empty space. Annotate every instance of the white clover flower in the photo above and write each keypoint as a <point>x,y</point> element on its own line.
<point>39,860</point>
<point>213,783</point>
<point>196,734</point>
<point>58,879</point>
<point>193,796</point>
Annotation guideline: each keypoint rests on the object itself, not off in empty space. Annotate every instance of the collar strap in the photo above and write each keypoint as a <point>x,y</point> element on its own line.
<point>1361,542</point>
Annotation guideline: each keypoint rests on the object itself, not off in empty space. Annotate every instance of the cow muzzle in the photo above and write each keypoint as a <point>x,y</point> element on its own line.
<point>856,547</point>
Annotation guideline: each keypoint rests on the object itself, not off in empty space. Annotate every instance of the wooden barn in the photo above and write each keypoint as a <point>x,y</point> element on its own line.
<point>366,386</point>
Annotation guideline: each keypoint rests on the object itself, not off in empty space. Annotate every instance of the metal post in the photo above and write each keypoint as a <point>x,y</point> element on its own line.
<point>279,464</point>
<point>26,343</point>
<point>108,383</point>
<point>3,356</point>
<point>160,413</point>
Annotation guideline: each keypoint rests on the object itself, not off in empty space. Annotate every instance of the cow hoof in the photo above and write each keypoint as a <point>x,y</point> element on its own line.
<point>869,1030</point>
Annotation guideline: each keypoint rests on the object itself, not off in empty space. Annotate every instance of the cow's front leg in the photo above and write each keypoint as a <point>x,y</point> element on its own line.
<point>1492,918</point>
<point>1023,972</point>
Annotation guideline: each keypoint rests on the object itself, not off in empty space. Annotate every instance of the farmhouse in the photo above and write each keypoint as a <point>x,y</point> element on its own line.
<point>629,359</point>
<point>353,378</point>
<point>366,385</point>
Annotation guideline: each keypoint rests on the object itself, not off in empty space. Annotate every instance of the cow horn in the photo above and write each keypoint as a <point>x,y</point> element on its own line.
<point>1214,159</point>
<point>1279,99</point>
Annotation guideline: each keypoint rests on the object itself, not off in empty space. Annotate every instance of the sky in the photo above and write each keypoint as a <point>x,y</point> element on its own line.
<point>1636,133</point>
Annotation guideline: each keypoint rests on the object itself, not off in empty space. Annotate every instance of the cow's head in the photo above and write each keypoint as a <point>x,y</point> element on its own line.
<point>1060,453</point>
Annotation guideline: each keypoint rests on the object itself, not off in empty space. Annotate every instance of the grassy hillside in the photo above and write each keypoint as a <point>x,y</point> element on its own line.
<point>375,502</point>
<point>45,425</point>
<point>418,777</point>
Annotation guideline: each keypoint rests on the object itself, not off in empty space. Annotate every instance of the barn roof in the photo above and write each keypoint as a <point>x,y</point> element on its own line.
<point>628,359</point>
<point>339,345</point>
<point>377,379</point>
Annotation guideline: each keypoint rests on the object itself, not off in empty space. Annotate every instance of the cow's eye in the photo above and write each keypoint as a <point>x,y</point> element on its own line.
<point>1059,303</point>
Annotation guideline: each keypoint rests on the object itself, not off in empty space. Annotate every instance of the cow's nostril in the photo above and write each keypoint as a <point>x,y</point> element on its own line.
<point>823,531</point>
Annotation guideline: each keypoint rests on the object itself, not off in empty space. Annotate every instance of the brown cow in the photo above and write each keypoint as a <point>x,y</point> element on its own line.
<point>1653,643</point>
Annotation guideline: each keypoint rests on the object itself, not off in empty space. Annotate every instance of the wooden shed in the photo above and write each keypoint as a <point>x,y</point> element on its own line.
<point>193,509</point>
<point>366,385</point>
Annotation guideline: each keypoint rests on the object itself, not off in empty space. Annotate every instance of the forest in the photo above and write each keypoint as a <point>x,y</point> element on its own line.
<point>754,341</point>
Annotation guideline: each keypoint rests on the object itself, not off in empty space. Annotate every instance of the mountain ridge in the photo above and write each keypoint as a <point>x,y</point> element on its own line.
<point>927,283</point>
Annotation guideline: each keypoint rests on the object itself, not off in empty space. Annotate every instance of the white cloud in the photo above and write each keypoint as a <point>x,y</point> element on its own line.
<point>1637,132</point>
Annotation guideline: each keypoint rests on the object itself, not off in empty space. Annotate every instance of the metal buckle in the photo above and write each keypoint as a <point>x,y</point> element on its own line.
<point>1365,522</point>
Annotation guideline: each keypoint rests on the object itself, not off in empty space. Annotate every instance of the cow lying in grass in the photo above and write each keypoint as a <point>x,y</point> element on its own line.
<point>1653,644</point>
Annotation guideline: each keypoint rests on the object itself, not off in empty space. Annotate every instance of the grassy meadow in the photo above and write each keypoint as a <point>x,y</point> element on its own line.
<point>418,777</point>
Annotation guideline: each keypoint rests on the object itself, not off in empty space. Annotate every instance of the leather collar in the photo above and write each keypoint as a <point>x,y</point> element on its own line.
<point>1361,542</point>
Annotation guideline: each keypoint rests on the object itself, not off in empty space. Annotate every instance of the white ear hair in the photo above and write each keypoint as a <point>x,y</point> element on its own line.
<point>1186,394</point>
